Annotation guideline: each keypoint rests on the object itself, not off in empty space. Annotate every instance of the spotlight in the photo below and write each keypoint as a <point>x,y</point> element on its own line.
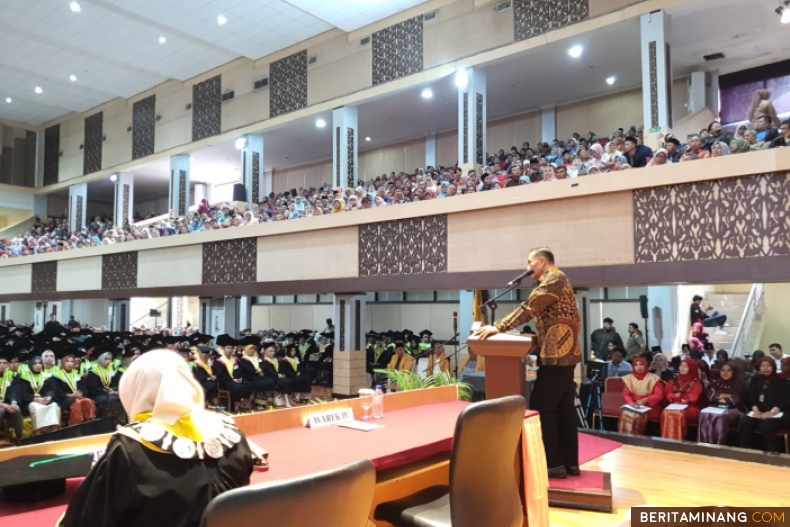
<point>320,123</point>
<point>427,93</point>
<point>221,20</point>
<point>367,139</point>
<point>462,79</point>
<point>75,7</point>
<point>240,143</point>
<point>576,51</point>
<point>73,78</point>
<point>611,80</point>
<point>784,12</point>
<point>38,90</point>
<point>114,178</point>
<point>8,100</point>
<point>162,40</point>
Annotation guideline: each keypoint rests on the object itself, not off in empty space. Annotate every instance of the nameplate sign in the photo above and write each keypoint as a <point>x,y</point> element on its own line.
<point>335,417</point>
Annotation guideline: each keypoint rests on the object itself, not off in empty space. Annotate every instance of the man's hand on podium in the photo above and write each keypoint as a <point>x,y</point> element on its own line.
<point>485,331</point>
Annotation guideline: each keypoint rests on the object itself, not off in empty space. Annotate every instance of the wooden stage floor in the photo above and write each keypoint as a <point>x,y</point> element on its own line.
<point>645,476</point>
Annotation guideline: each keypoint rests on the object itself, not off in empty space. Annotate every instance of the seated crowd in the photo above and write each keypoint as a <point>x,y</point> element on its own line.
<point>576,157</point>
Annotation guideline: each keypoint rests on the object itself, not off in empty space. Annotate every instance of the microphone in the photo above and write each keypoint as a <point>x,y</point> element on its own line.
<point>520,277</point>
<point>455,322</point>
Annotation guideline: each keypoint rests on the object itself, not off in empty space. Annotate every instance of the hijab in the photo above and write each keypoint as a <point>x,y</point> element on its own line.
<point>204,207</point>
<point>693,373</point>
<point>159,387</point>
<point>741,145</point>
<point>660,363</point>
<point>643,362</point>
<point>725,148</point>
<point>342,206</point>
<point>786,374</point>
<point>251,354</point>
<point>655,157</point>
<point>732,384</point>
<point>380,202</point>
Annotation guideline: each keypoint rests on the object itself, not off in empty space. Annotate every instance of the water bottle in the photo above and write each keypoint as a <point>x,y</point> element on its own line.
<point>378,403</point>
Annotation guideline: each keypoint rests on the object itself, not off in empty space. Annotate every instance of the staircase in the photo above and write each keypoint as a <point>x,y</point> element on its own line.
<point>733,305</point>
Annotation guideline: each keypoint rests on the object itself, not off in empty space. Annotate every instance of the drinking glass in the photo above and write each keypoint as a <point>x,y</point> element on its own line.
<point>366,401</point>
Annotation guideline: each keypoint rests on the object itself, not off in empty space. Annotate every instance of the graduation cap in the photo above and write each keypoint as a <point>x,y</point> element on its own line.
<point>425,332</point>
<point>292,335</point>
<point>77,352</point>
<point>399,340</point>
<point>370,335</point>
<point>9,353</point>
<point>253,340</point>
<point>407,333</point>
<point>158,341</point>
<point>226,340</point>
<point>207,349</point>
<point>112,349</point>
<point>30,479</point>
<point>200,338</point>
<point>133,348</point>
<point>709,346</point>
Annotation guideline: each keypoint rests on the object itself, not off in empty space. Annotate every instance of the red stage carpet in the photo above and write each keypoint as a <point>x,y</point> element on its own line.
<point>591,447</point>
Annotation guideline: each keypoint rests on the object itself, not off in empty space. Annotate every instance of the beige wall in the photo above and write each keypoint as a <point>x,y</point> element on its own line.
<point>601,115</point>
<point>94,312</point>
<point>187,262</point>
<point>303,256</point>
<point>481,241</point>
<point>403,157</point>
<point>22,312</point>
<point>16,279</point>
<point>775,326</point>
<point>83,274</point>
<point>513,131</point>
<point>306,176</point>
<point>292,317</point>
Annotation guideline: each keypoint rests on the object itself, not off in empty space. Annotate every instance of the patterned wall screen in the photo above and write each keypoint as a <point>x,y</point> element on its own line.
<point>119,271</point>
<point>466,128</point>
<point>350,157</point>
<point>256,177</point>
<point>207,108</point>
<point>126,206</point>
<point>182,193</point>
<point>288,84</point>
<point>479,128</point>
<point>51,154</point>
<point>230,261</point>
<point>412,246</point>
<point>653,69</point>
<point>535,17</point>
<point>143,127</point>
<point>397,50</point>
<point>730,218</point>
<point>92,145</point>
<point>668,85</point>
<point>342,339</point>
<point>44,277</point>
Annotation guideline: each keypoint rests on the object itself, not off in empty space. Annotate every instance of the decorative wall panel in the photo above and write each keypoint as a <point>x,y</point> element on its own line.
<point>342,339</point>
<point>230,261</point>
<point>479,129</point>
<point>350,157</point>
<point>92,145</point>
<point>466,127</point>
<point>119,271</point>
<point>44,278</point>
<point>182,193</point>
<point>288,84</point>
<point>401,247</point>
<point>357,324</point>
<point>338,180</point>
<point>397,50</point>
<point>653,69</point>
<point>51,154</point>
<point>256,177</point>
<point>668,85</point>
<point>535,17</point>
<point>143,127</point>
<point>207,108</point>
<point>730,218</point>
<point>80,218</point>
<point>126,205</point>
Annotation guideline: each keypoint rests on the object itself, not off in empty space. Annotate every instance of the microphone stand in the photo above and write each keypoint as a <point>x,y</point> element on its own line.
<point>491,302</point>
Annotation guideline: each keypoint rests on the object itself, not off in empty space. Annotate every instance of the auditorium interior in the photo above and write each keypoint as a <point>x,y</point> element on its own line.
<point>130,131</point>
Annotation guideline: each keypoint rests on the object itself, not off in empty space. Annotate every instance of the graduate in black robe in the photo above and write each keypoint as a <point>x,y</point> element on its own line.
<point>162,482</point>
<point>229,374</point>
<point>101,385</point>
<point>203,371</point>
<point>273,372</point>
<point>294,370</point>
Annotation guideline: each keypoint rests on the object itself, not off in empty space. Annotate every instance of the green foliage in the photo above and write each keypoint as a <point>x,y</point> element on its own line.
<point>408,380</point>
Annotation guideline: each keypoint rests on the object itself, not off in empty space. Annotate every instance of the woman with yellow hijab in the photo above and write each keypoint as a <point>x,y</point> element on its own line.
<point>165,467</point>
<point>251,371</point>
<point>204,372</point>
<point>338,205</point>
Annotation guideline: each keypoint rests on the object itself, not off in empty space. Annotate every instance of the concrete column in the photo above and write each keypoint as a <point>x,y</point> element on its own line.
<point>345,147</point>
<point>78,206</point>
<point>179,313</point>
<point>430,151</point>
<point>123,211</point>
<point>204,316</point>
<point>472,118</point>
<point>119,315</point>
<point>40,205</point>
<point>349,359</point>
<point>252,167</point>
<point>656,72</point>
<point>548,123</point>
<point>465,316</point>
<point>179,185</point>
<point>245,313</point>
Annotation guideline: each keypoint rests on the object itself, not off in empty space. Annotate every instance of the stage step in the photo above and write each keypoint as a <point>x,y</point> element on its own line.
<point>592,491</point>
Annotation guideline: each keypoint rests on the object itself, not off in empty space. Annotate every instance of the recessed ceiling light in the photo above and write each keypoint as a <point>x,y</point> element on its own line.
<point>8,100</point>
<point>367,139</point>
<point>462,78</point>
<point>240,143</point>
<point>75,7</point>
<point>73,78</point>
<point>221,20</point>
<point>114,177</point>
<point>162,40</point>
<point>38,89</point>
<point>320,123</point>
<point>427,93</point>
<point>576,51</point>
<point>785,16</point>
<point>611,80</point>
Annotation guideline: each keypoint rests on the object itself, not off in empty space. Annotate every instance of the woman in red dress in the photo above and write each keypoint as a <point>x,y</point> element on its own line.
<point>686,390</point>
<point>640,389</point>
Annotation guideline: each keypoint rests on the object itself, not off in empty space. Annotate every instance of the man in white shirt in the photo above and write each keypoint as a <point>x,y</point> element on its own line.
<point>710,354</point>
<point>777,354</point>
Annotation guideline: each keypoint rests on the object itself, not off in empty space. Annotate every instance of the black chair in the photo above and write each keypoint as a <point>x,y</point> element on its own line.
<point>341,497</point>
<point>484,486</point>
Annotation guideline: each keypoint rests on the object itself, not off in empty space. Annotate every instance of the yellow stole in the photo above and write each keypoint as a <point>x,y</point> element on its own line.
<point>274,363</point>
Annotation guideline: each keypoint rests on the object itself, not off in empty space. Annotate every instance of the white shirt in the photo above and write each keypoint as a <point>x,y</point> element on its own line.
<point>779,362</point>
<point>710,360</point>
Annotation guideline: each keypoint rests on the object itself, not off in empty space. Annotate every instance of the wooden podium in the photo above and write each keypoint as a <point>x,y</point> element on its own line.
<point>506,372</point>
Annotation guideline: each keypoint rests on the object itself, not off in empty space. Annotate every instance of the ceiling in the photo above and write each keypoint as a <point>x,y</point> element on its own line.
<point>113,48</point>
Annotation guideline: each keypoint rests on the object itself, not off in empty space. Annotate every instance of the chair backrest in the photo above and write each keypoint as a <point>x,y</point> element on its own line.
<point>614,384</point>
<point>341,497</point>
<point>484,486</point>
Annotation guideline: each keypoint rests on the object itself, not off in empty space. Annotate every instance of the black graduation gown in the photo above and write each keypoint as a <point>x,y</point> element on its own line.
<point>132,486</point>
<point>59,391</point>
<point>226,382</point>
<point>250,375</point>
<point>284,385</point>
<point>21,392</point>
<point>382,363</point>
<point>209,387</point>
<point>301,383</point>
<point>94,388</point>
